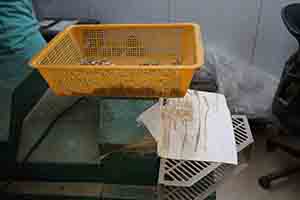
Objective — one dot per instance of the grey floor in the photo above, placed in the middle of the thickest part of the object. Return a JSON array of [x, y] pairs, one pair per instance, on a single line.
[[79, 129], [244, 186]]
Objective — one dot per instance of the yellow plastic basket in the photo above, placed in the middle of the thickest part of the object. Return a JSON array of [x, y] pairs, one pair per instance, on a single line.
[[148, 60]]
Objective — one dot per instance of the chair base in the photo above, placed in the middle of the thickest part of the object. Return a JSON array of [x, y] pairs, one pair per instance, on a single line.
[[265, 181]]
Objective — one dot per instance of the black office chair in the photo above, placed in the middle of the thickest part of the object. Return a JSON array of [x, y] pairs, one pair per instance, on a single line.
[[286, 103]]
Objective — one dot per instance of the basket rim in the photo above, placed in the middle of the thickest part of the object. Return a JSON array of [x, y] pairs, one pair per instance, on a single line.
[[78, 66], [35, 61]]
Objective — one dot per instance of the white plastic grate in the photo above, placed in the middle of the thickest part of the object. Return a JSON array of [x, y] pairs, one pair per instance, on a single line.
[[185, 173], [202, 189], [242, 131]]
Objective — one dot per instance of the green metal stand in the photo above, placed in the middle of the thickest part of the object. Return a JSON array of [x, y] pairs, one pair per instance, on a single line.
[[117, 117], [23, 99]]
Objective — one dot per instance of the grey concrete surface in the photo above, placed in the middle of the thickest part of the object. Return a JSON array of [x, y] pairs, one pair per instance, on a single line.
[[245, 187]]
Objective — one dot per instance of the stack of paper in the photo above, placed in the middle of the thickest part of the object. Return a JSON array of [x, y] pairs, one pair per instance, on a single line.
[[196, 127]]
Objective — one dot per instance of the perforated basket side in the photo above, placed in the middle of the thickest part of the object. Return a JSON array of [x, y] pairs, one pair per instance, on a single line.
[[63, 51], [135, 46], [147, 60], [125, 44]]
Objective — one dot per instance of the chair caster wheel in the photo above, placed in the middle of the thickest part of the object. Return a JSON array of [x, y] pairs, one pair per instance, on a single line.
[[264, 182]]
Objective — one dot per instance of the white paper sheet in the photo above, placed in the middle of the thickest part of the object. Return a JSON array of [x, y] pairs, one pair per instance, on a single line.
[[196, 127]]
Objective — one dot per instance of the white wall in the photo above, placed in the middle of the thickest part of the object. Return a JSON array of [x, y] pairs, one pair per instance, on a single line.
[[274, 43], [108, 11], [249, 29], [230, 24]]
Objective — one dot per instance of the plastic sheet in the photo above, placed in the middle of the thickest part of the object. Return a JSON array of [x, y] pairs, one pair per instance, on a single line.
[[248, 89]]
